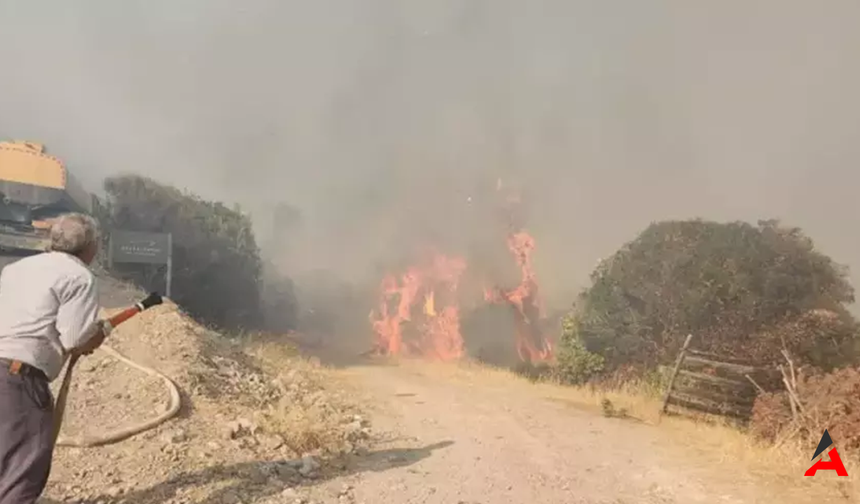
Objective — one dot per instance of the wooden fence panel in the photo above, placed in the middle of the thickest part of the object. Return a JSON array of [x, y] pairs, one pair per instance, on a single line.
[[707, 383]]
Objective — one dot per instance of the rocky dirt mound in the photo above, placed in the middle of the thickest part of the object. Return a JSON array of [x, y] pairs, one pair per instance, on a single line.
[[256, 425]]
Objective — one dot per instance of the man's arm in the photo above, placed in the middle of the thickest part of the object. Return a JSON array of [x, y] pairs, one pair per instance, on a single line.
[[77, 316]]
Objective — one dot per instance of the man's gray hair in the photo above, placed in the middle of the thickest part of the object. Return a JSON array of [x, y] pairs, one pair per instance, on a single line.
[[73, 233]]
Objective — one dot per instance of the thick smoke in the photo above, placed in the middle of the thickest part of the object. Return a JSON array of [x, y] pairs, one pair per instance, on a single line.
[[379, 119]]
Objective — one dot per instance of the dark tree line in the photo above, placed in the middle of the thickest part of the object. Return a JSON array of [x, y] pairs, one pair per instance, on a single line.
[[217, 269]]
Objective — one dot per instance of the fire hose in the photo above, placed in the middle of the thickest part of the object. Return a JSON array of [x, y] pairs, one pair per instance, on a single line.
[[121, 434]]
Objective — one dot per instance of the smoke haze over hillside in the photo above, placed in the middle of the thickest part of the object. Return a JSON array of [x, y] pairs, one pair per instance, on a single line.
[[378, 119]]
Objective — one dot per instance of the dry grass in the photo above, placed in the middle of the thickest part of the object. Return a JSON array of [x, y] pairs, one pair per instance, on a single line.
[[720, 441], [311, 411], [783, 466]]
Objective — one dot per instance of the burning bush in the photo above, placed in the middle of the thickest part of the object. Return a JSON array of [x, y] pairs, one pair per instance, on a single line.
[[216, 262], [416, 295], [730, 284], [419, 309], [827, 401], [531, 343]]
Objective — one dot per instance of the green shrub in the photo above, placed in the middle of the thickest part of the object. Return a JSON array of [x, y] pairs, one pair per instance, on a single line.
[[576, 365]]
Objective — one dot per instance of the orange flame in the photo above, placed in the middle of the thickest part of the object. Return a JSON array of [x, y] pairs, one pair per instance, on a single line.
[[428, 294], [430, 304], [532, 345], [439, 331]]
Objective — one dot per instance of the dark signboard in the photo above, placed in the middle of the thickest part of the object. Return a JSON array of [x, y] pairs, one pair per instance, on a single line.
[[135, 247]]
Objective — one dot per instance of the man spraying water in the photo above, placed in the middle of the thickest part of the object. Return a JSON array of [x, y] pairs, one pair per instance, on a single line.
[[48, 312]]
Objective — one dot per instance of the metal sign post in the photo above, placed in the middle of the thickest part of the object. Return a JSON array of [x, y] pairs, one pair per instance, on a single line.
[[143, 248], [169, 273]]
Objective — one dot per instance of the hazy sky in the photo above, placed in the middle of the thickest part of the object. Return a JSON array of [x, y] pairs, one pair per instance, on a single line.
[[614, 113]]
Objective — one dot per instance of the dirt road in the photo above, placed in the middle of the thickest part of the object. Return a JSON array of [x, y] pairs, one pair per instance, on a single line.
[[467, 437]]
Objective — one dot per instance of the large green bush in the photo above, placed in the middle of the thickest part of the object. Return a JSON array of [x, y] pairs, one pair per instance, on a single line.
[[731, 285], [216, 261]]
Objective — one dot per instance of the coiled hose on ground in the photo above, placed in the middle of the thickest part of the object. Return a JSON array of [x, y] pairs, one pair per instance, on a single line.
[[122, 434]]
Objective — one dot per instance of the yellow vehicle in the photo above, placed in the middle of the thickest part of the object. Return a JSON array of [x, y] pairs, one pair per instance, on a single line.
[[34, 188]]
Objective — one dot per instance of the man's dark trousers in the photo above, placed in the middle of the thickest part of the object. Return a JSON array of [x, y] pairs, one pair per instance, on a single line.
[[26, 444]]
